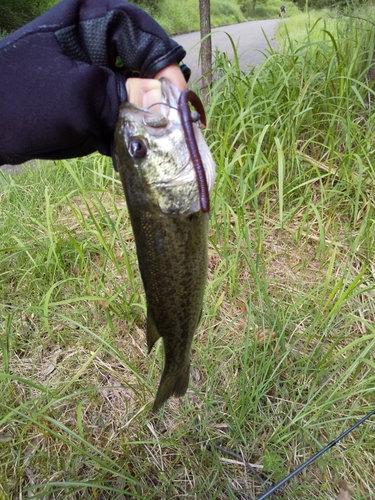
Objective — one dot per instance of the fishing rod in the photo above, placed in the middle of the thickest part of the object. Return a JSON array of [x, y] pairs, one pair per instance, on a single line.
[[313, 458]]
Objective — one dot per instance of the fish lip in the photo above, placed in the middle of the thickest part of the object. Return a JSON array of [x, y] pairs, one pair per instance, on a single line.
[[159, 122], [156, 120]]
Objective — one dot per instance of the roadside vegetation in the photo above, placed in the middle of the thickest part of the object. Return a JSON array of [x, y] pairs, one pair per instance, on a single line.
[[184, 17], [283, 361], [175, 17]]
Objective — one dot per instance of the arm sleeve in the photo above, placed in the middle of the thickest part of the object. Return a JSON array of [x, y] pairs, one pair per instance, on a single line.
[[62, 76]]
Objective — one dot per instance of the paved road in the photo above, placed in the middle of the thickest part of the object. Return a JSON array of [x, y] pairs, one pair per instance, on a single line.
[[249, 38], [11, 169]]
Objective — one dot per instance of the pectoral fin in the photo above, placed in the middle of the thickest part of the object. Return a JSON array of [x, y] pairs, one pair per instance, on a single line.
[[152, 332]]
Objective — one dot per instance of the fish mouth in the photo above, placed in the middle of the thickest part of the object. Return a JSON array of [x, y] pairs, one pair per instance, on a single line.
[[155, 120]]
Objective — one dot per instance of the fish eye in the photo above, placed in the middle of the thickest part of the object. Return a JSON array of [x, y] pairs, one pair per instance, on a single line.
[[137, 148]]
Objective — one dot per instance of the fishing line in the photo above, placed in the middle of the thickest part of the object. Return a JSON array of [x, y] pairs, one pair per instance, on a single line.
[[195, 116], [313, 458], [162, 104]]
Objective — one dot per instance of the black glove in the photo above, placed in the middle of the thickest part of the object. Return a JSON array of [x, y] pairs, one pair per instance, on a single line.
[[62, 77]]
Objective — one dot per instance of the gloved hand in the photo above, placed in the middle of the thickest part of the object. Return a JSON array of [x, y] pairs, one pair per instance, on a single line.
[[62, 77]]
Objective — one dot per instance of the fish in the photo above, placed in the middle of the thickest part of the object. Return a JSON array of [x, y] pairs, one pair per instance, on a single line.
[[164, 196]]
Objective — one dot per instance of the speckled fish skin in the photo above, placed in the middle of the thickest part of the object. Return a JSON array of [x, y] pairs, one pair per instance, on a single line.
[[170, 232]]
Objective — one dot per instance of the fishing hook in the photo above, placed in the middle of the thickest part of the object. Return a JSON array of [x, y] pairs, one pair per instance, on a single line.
[[189, 97]]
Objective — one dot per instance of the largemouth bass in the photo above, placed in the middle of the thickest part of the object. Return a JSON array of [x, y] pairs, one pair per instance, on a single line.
[[170, 229]]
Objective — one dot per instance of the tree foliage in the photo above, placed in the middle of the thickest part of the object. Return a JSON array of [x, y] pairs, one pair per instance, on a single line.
[[150, 6], [16, 13]]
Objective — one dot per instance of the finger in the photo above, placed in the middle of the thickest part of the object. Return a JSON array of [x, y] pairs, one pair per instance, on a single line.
[[152, 96], [142, 91], [174, 74]]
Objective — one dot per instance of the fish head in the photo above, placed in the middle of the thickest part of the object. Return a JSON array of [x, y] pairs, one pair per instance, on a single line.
[[153, 158]]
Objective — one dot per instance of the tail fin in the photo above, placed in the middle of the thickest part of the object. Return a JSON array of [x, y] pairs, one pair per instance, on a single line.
[[173, 382]]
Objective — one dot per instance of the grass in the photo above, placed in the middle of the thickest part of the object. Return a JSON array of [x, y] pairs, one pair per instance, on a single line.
[[283, 361], [183, 18]]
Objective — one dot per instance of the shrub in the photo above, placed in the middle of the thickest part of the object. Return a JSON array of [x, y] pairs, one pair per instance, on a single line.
[[16, 13], [225, 12], [178, 17]]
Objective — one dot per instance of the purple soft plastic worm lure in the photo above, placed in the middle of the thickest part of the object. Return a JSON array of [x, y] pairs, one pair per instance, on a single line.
[[186, 97]]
